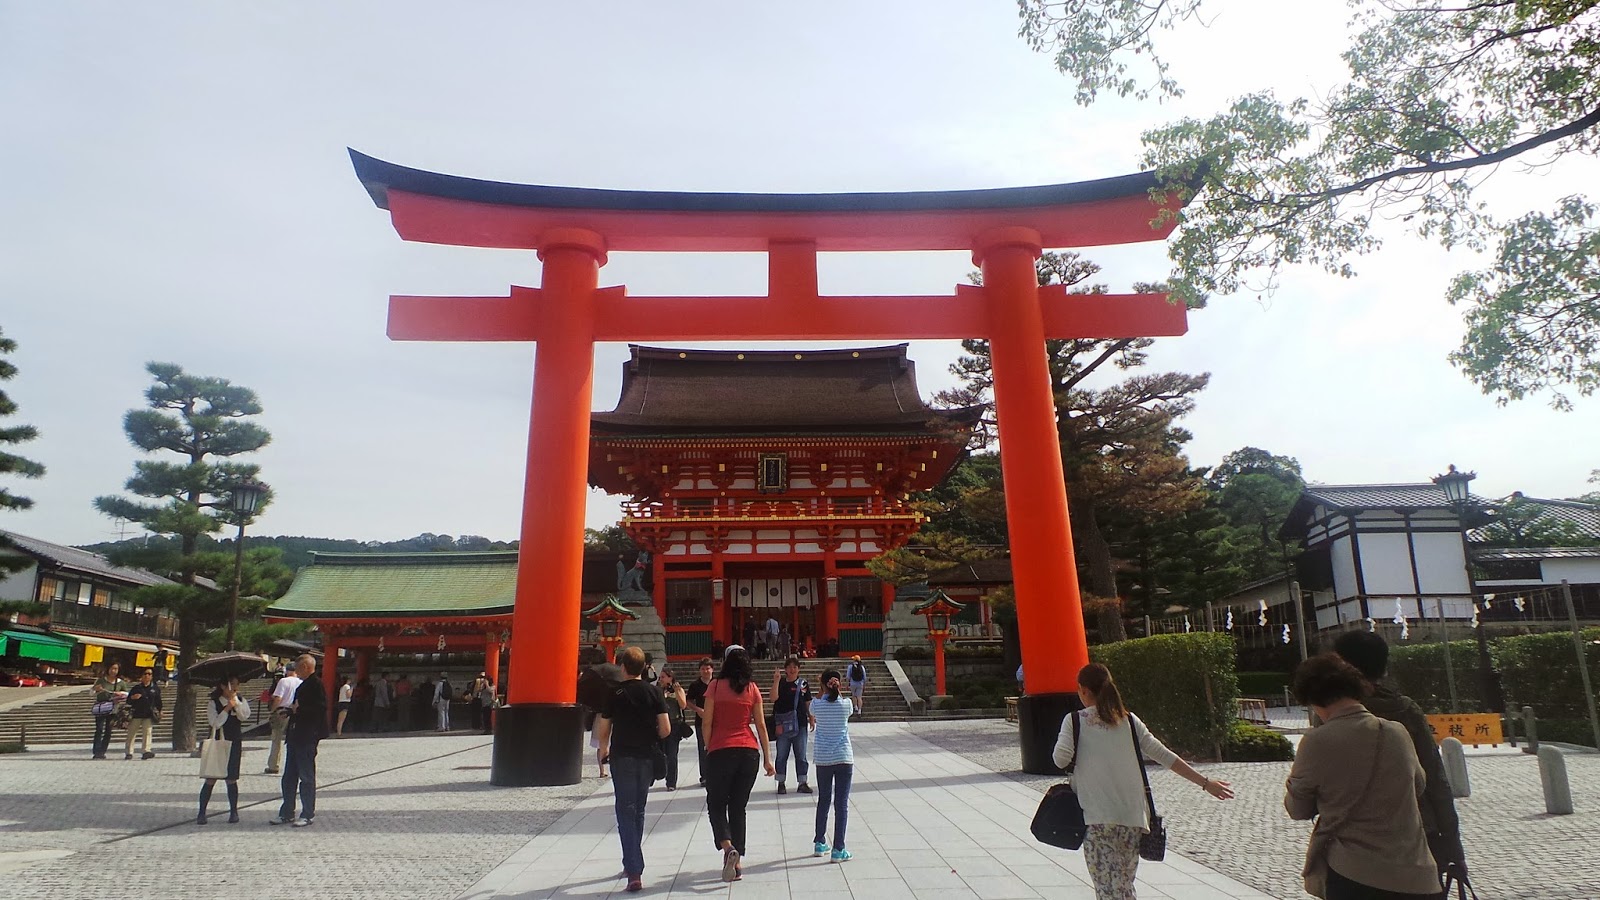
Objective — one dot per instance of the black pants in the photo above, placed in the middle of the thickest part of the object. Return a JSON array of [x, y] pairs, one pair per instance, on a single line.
[[730, 776], [488, 720], [700, 744], [299, 770], [102, 733], [1342, 888], [669, 746], [477, 715]]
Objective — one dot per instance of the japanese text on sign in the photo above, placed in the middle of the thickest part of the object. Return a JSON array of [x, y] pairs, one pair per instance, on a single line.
[[1468, 728]]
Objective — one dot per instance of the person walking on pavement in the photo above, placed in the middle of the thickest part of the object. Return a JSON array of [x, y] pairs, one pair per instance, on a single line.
[[382, 703], [144, 707], [677, 701], [441, 701], [696, 695], [1105, 744], [109, 690], [346, 692], [486, 699], [733, 707], [282, 699], [856, 674], [474, 706], [225, 711], [308, 725], [835, 759], [791, 695], [403, 702], [629, 729], [1358, 776], [772, 631], [1369, 653]]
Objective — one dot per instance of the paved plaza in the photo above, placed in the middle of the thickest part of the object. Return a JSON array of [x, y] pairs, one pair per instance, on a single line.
[[938, 811]]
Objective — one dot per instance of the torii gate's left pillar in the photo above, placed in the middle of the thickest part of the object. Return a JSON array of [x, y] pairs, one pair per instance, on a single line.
[[538, 738]]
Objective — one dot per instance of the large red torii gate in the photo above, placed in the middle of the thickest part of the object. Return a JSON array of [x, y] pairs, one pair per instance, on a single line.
[[538, 738]]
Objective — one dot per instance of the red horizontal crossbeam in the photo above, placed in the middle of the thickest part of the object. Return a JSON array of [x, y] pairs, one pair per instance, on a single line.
[[622, 318]]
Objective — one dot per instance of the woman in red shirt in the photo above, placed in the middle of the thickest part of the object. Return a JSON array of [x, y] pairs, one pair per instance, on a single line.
[[733, 704]]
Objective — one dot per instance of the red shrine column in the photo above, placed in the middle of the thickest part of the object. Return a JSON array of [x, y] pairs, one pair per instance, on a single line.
[[539, 737], [1049, 611], [720, 624], [363, 665], [828, 626], [658, 585], [330, 676], [491, 658]]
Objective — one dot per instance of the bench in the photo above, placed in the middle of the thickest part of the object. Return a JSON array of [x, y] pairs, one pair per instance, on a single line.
[[1011, 709], [1253, 710]]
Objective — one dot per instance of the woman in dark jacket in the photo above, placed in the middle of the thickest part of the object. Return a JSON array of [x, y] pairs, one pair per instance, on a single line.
[[224, 713]]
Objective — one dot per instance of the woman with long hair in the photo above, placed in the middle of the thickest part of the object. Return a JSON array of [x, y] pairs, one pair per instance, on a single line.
[[733, 708], [1110, 781], [1359, 777], [109, 689], [677, 701], [834, 760], [225, 711]]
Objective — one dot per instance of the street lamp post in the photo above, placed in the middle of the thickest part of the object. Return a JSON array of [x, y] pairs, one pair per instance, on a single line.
[[939, 609], [244, 498], [1455, 483]]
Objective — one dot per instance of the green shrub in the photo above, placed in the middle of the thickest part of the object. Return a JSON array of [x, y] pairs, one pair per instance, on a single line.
[[1418, 671], [12, 748], [914, 652], [1541, 671], [1252, 743], [1262, 684], [1564, 731], [1182, 685]]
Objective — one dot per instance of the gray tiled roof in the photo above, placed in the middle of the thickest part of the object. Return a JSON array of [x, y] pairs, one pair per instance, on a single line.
[[1535, 553], [1582, 517], [1377, 496], [81, 561]]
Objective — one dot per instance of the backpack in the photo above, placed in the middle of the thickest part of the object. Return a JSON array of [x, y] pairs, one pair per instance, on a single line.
[[858, 672]]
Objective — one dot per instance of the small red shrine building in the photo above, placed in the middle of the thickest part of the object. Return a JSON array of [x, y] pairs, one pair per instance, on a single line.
[[762, 481]]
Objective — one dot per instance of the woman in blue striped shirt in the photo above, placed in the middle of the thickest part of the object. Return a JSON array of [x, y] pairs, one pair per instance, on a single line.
[[834, 761]]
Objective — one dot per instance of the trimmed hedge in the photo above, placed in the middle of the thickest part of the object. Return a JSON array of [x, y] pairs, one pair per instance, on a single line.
[[1263, 684], [1252, 743], [1541, 671], [1417, 669], [951, 651], [1182, 685]]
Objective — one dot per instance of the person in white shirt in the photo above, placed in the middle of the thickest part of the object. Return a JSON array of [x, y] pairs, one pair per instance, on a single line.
[[1110, 783], [224, 714], [346, 693], [282, 697]]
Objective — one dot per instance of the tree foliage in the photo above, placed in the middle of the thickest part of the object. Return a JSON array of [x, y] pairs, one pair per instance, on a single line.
[[13, 465], [964, 521], [1520, 522], [200, 419], [1121, 449], [1438, 97]]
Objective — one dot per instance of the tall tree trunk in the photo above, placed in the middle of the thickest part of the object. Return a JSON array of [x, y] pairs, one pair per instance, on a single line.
[[182, 711], [1100, 578]]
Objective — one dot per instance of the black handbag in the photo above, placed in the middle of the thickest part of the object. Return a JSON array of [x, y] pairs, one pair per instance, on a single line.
[[1059, 819], [1153, 843], [658, 762], [1455, 879]]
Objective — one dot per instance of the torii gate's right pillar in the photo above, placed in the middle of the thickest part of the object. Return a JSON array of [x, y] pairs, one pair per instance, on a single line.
[[1043, 569]]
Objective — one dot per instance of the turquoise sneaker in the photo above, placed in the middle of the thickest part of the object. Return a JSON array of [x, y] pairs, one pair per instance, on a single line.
[[819, 848], [841, 856]]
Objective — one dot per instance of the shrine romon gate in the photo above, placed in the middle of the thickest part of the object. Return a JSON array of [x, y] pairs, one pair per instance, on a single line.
[[539, 737]]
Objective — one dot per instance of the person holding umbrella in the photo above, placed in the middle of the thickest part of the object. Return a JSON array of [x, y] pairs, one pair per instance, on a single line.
[[224, 713]]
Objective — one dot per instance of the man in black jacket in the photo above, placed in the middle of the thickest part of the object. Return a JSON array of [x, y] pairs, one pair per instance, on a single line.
[[1369, 653], [144, 710], [308, 725]]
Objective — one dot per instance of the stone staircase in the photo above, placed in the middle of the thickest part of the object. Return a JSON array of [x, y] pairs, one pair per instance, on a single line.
[[882, 700], [65, 719]]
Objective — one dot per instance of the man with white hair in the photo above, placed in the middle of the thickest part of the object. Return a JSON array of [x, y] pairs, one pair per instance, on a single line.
[[308, 725]]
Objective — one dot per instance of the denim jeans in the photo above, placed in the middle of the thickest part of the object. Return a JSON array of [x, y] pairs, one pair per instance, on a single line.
[[833, 785], [299, 770], [630, 781], [102, 734], [730, 775], [795, 738]]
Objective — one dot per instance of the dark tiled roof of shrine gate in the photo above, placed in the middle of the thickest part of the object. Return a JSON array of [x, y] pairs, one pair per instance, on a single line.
[[387, 585], [869, 390]]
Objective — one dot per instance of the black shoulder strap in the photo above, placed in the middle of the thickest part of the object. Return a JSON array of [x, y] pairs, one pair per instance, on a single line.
[[1138, 751], [1073, 762]]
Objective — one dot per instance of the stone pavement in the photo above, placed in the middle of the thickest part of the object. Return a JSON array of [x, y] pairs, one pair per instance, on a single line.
[[924, 823], [1514, 850], [416, 818]]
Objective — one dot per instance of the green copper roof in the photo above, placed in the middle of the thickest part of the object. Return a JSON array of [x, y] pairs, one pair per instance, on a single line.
[[351, 585]]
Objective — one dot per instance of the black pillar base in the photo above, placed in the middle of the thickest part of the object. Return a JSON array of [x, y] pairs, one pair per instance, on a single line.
[[537, 744], [1039, 718]]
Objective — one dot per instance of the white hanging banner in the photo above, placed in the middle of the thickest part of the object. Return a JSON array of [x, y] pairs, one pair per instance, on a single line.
[[1229, 625], [1262, 619], [1400, 619], [1286, 634]]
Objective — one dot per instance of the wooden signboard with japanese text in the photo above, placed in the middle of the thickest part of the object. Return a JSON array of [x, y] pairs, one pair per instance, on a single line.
[[1472, 729]]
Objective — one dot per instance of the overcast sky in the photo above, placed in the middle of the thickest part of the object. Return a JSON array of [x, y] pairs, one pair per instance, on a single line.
[[176, 188]]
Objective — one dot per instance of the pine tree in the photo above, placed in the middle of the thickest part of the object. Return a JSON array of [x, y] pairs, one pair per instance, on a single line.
[[200, 419], [14, 465]]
